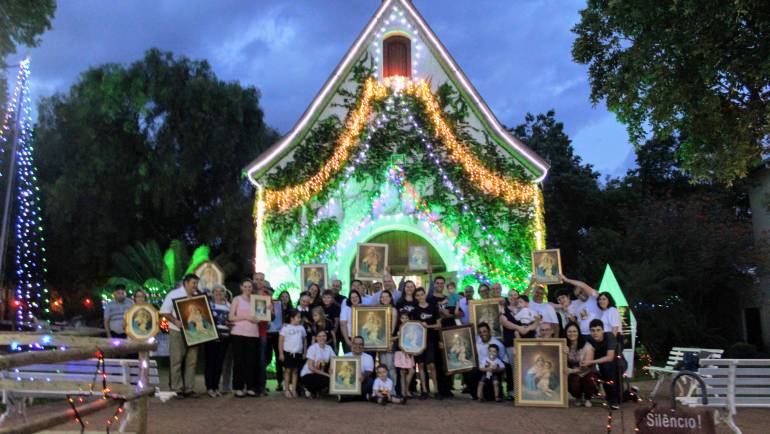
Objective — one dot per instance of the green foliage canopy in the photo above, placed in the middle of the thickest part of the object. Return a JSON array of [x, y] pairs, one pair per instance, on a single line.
[[152, 150], [697, 69]]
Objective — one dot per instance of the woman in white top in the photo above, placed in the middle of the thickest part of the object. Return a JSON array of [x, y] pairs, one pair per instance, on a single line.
[[346, 318], [610, 315], [314, 374]]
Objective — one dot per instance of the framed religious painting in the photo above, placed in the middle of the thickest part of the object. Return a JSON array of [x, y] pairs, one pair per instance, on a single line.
[[459, 349], [209, 274], [373, 323], [487, 311], [412, 338], [546, 266], [314, 273], [197, 321], [142, 321], [418, 258], [261, 306], [540, 376], [343, 376], [371, 261]]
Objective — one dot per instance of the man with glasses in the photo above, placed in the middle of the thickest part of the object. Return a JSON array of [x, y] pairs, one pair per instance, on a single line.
[[367, 367]]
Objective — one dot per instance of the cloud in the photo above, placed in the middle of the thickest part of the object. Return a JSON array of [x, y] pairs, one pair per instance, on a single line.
[[517, 54]]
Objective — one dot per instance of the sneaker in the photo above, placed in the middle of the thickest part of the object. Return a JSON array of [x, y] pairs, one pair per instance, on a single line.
[[218, 393], [179, 395], [587, 403], [577, 403], [239, 394], [211, 393], [251, 393], [614, 407]]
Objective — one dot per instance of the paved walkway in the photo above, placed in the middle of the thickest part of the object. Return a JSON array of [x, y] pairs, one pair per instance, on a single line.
[[275, 414]]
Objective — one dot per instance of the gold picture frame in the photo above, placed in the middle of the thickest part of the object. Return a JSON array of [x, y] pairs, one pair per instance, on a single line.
[[541, 378], [546, 266], [314, 273], [198, 325], [412, 337], [488, 311], [261, 307], [344, 378], [373, 324], [209, 274], [459, 349], [371, 261], [142, 321]]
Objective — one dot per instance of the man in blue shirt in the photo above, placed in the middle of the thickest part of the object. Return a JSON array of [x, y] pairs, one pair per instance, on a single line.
[[115, 312]]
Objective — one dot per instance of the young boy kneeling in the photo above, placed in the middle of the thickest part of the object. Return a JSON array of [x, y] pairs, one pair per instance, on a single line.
[[491, 373], [383, 390]]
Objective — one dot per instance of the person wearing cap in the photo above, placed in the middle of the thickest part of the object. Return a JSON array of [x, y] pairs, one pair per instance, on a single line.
[[115, 313]]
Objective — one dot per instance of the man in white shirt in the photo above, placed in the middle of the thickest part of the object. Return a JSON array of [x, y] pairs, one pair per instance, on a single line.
[[585, 309], [541, 307], [179, 353], [483, 340], [367, 367]]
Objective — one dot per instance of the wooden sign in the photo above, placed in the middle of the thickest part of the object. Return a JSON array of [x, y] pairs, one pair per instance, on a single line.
[[679, 421]]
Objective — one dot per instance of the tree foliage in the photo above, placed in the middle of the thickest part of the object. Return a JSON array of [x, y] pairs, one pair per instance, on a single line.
[[695, 69], [682, 250], [152, 150], [21, 23]]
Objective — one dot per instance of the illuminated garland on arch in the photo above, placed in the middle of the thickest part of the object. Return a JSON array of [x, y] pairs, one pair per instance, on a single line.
[[489, 182]]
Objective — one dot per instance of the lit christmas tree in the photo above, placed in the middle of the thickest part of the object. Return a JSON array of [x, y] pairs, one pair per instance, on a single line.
[[32, 297]]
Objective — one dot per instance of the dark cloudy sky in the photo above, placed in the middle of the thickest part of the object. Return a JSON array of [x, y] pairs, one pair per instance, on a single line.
[[516, 52]]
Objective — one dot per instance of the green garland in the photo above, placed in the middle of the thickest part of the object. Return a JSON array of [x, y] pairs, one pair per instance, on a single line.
[[510, 225]]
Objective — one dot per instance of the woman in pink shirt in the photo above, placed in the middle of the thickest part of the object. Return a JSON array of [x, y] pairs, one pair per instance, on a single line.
[[244, 340]]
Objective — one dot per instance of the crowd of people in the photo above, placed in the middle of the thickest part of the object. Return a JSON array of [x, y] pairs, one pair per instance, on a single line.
[[303, 336]]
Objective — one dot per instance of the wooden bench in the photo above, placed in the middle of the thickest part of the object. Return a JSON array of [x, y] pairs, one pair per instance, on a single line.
[[24, 383], [674, 357], [732, 383]]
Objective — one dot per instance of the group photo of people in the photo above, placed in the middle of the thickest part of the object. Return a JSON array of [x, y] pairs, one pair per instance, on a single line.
[[392, 342]]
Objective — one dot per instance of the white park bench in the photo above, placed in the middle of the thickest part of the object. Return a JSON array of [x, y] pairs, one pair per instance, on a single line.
[[25, 383], [732, 383], [675, 356]]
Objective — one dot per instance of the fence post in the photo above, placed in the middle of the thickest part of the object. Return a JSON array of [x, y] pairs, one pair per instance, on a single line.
[[144, 376]]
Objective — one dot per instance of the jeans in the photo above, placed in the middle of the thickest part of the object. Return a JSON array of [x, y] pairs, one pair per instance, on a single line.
[[608, 373], [181, 354]]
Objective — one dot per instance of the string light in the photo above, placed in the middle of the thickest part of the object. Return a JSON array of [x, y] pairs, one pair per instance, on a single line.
[[31, 293], [485, 179]]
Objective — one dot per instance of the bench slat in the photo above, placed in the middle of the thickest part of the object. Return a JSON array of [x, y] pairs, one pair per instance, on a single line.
[[42, 376], [58, 387], [739, 372], [77, 370], [738, 362], [740, 401], [740, 390]]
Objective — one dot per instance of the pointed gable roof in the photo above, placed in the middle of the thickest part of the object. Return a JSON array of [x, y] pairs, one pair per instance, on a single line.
[[272, 156], [610, 284]]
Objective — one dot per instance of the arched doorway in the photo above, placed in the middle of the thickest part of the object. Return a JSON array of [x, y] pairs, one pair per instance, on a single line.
[[398, 242]]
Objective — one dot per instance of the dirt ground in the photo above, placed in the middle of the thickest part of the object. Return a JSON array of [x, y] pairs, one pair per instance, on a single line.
[[276, 414]]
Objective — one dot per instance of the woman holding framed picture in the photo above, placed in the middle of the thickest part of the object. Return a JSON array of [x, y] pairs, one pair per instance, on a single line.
[[314, 376], [244, 338]]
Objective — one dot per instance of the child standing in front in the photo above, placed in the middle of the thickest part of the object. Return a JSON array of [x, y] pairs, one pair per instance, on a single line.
[[383, 390], [292, 346], [404, 361], [491, 372]]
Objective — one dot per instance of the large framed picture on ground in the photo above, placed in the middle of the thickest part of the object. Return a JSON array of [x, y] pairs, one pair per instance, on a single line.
[[343, 376], [412, 337], [314, 273], [197, 320], [142, 321], [373, 323], [260, 305], [546, 266], [541, 379], [459, 349], [487, 311], [371, 261]]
